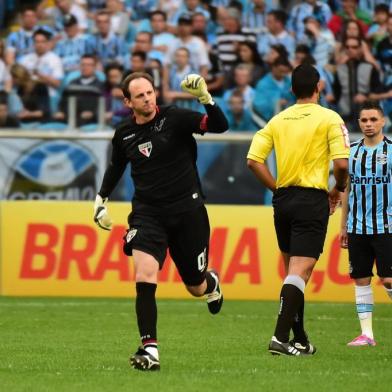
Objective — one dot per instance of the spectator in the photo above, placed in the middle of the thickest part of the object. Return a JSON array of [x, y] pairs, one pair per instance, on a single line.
[[161, 38], [354, 81], [138, 62], [378, 30], [143, 43], [199, 60], [87, 88], [6, 120], [62, 8], [108, 46], [5, 77], [173, 92], [315, 8], [30, 98], [349, 11], [188, 8], [242, 79], [254, 16], [169, 7], [73, 46], [227, 40], [115, 109], [20, 43], [384, 53], [248, 54], [320, 40], [139, 10], [276, 51], [44, 65], [238, 116], [272, 92], [276, 34], [119, 19], [200, 28]]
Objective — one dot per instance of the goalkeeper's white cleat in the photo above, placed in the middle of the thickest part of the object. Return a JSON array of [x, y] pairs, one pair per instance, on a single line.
[[142, 360], [215, 298]]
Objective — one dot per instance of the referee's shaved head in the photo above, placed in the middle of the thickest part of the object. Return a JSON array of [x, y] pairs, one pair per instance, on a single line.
[[304, 81]]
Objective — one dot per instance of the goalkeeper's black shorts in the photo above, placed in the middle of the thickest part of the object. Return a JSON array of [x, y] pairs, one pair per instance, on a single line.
[[186, 235], [301, 219]]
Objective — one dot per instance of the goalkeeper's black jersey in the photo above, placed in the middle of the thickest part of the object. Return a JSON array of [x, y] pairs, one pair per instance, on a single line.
[[163, 156]]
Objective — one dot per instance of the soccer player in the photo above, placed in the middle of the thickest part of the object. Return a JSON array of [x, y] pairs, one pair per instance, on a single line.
[[367, 215], [167, 209], [305, 138]]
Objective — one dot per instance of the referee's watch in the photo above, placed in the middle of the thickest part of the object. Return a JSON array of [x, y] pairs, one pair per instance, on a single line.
[[341, 188]]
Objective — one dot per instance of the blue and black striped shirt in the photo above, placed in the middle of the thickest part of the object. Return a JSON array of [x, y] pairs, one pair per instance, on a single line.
[[370, 199]]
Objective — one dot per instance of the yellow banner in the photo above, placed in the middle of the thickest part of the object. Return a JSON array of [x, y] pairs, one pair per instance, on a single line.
[[55, 249]]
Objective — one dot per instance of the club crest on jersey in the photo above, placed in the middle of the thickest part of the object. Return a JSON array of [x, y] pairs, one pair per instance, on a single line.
[[145, 149], [130, 235], [381, 158]]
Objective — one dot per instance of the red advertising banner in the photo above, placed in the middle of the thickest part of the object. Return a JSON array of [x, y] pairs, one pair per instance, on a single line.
[[55, 249]]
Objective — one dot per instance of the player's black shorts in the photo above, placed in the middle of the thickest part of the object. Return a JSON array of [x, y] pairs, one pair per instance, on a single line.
[[186, 235], [364, 249], [301, 220]]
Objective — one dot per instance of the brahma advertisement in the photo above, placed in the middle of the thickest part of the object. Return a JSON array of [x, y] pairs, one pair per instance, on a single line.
[[53, 248]]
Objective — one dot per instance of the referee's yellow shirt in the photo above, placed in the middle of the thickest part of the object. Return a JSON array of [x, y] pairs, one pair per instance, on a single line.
[[305, 138]]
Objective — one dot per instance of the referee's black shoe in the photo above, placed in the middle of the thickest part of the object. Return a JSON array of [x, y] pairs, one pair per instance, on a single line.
[[279, 348], [215, 298], [142, 360], [306, 349]]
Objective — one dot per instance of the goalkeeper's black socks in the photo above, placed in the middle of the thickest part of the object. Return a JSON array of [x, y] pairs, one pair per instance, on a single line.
[[300, 335], [146, 313], [291, 299]]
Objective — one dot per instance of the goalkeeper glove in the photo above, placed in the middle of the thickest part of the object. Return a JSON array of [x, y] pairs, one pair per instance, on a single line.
[[101, 217], [196, 85]]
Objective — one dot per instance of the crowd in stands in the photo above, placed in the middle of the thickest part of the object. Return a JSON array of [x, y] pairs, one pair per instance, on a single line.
[[53, 50]]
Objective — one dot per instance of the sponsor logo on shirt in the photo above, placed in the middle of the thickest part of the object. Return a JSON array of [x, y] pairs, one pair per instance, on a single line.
[[371, 180], [145, 149], [129, 136]]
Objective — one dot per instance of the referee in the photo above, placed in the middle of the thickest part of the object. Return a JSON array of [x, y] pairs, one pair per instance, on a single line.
[[367, 215], [168, 209], [305, 138]]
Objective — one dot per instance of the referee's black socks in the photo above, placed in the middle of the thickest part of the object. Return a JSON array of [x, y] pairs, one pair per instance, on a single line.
[[291, 301], [211, 283], [146, 312]]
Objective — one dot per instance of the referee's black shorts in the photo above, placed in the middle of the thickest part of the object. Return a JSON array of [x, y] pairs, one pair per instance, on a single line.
[[301, 220], [185, 234]]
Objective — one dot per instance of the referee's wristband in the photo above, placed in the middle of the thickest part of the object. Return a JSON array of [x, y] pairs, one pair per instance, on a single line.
[[340, 188]]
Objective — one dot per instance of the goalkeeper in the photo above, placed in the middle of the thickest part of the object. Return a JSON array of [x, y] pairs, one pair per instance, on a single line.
[[168, 209]]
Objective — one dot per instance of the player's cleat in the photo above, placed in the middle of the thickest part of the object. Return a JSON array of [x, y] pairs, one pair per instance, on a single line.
[[142, 360], [215, 298], [362, 340], [278, 348], [307, 349]]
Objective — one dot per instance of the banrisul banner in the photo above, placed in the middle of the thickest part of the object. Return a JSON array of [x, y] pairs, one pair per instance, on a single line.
[[53, 248], [33, 169]]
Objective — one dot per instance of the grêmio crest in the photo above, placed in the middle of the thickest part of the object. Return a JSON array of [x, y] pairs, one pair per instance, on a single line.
[[145, 149]]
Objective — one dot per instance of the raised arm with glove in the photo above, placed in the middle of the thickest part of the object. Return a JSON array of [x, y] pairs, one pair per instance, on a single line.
[[216, 121], [196, 85]]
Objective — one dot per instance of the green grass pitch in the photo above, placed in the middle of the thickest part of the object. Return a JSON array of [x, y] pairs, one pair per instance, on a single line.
[[74, 344]]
